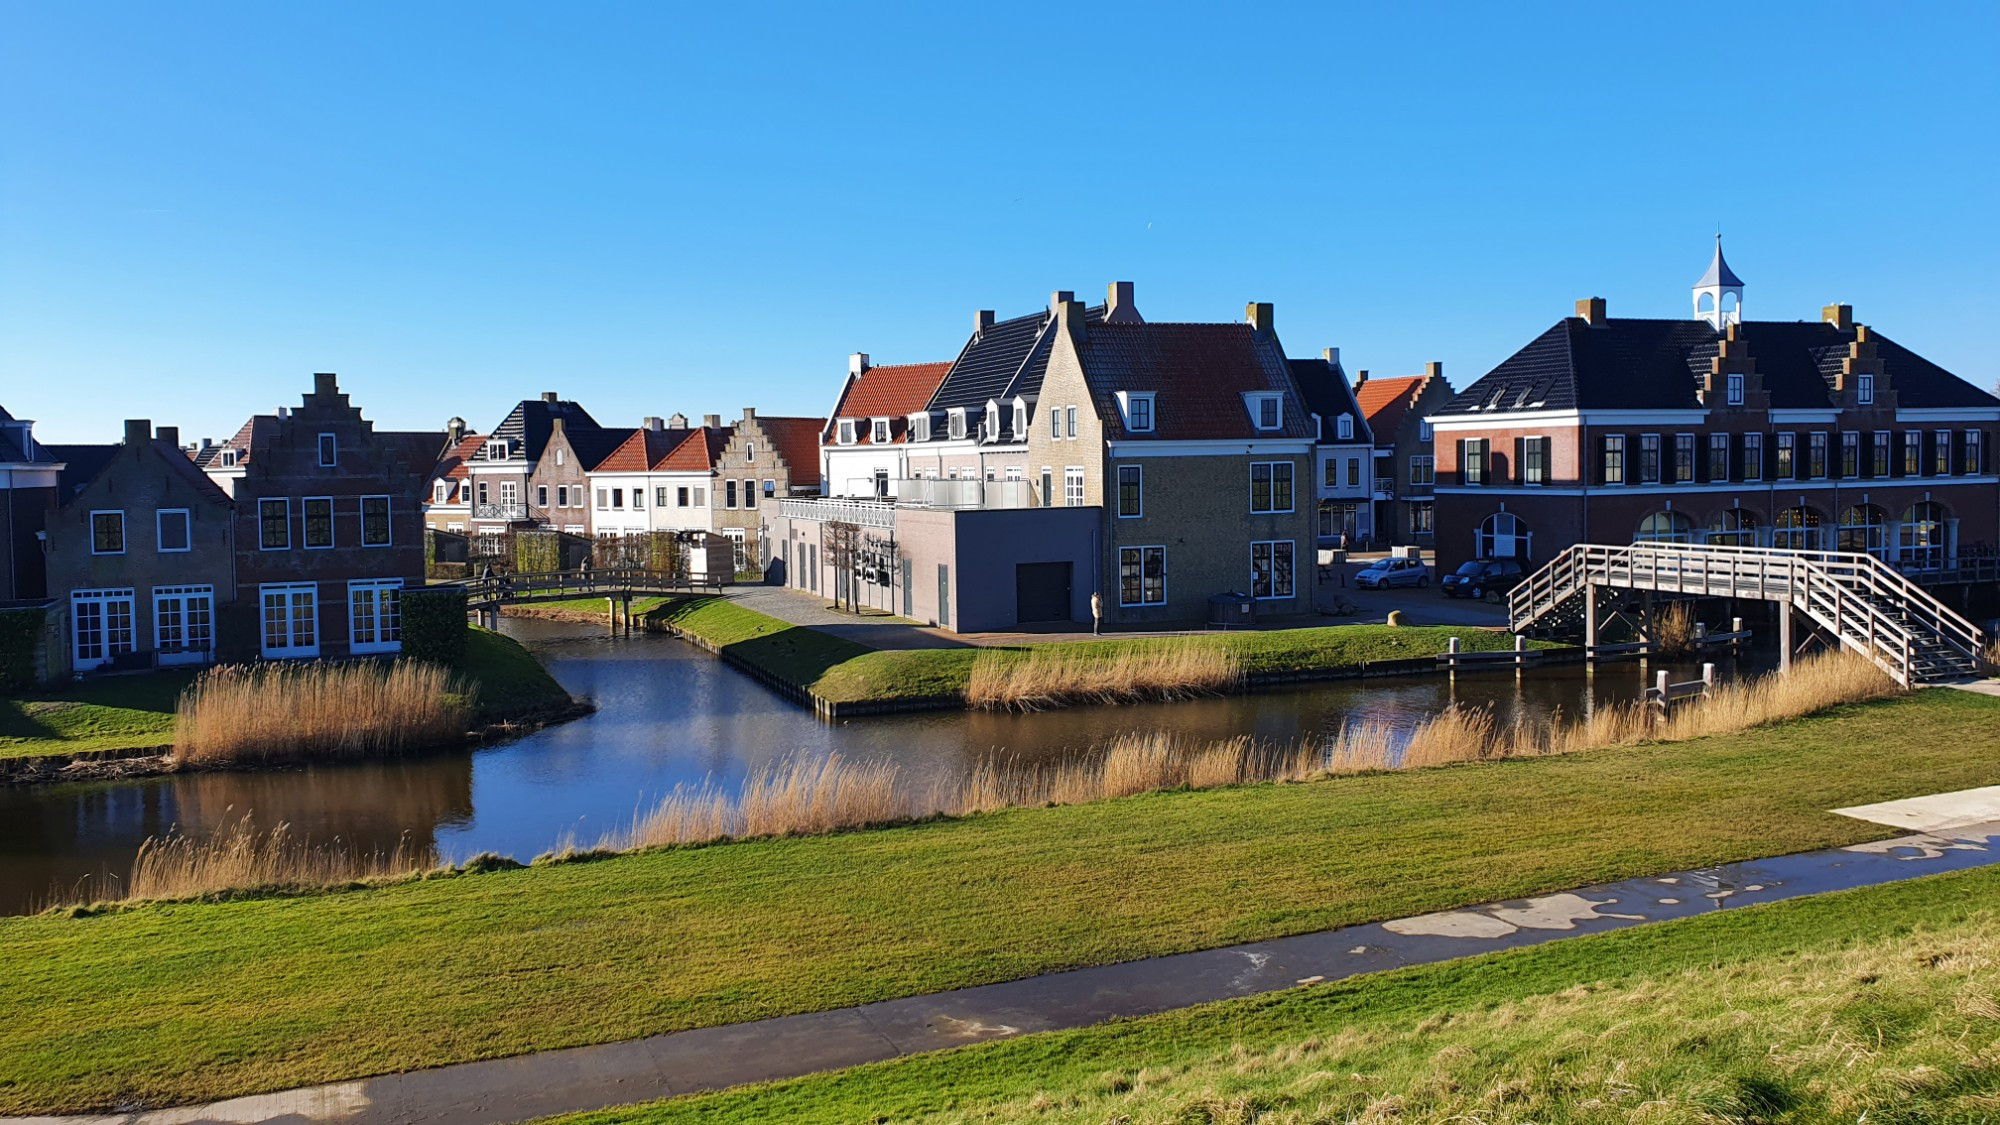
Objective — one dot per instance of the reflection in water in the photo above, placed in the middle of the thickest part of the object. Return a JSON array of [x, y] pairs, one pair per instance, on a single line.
[[668, 714]]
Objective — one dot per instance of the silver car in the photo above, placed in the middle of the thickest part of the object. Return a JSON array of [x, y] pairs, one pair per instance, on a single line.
[[1383, 573]]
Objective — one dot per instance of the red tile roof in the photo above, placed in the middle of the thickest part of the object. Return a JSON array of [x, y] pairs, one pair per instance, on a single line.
[[797, 440], [893, 391], [452, 465], [698, 451], [1386, 401], [642, 451]]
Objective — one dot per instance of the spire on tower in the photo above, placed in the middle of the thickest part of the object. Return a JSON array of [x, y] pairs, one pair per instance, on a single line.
[[1718, 296]]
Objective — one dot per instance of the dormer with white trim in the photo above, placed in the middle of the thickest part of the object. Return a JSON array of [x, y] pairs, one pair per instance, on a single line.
[[1136, 410], [1267, 410]]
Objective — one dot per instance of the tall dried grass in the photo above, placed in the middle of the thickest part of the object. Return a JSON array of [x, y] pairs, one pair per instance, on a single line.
[[1673, 629], [285, 712], [239, 856], [1055, 675]]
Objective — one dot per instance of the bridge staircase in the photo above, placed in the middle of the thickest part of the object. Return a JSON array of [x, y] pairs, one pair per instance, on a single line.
[[1853, 597]]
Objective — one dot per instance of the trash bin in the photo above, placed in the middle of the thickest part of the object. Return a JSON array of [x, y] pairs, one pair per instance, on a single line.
[[1231, 609]]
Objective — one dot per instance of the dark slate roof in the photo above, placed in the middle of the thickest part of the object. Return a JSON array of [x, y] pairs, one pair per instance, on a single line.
[[1631, 364], [532, 420], [177, 463], [1326, 392], [1719, 272], [81, 464], [594, 446], [1005, 360], [414, 451], [1199, 374]]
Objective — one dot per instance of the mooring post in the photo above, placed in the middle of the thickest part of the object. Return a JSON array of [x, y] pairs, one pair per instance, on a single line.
[[1707, 678], [1784, 636], [611, 612], [1451, 654], [1520, 651], [1590, 623], [1665, 683]]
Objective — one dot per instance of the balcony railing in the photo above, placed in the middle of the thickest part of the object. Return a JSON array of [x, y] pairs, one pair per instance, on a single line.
[[962, 494], [499, 511], [864, 513], [1385, 487]]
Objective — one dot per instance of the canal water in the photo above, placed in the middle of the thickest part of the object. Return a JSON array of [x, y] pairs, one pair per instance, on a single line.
[[669, 714]]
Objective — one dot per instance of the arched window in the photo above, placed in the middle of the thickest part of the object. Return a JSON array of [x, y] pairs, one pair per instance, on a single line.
[[1665, 527], [1861, 529], [1502, 536], [1796, 529], [1705, 304], [1733, 527], [1922, 536]]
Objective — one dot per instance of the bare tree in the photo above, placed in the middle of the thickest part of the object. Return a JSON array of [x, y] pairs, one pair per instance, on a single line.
[[841, 544]]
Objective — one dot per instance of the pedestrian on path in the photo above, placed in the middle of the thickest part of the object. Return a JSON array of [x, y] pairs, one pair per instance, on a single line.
[[1096, 613]]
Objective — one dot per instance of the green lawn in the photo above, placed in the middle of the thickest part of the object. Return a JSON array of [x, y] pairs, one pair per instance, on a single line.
[[844, 671], [1875, 1005], [196, 1000], [137, 711]]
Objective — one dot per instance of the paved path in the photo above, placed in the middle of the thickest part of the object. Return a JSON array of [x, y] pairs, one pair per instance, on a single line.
[[586, 1078]]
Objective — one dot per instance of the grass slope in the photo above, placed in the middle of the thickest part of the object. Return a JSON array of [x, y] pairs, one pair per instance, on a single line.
[[844, 671], [512, 683], [1881, 1005], [188, 1001]]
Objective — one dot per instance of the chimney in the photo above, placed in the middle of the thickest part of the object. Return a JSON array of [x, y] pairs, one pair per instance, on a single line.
[[550, 397], [169, 434], [1360, 376], [857, 362], [651, 423], [749, 413], [1060, 298], [1434, 370], [1069, 313], [1840, 316], [712, 421], [1118, 305], [981, 321], [454, 430], [326, 383], [1261, 317], [1332, 356], [677, 422], [559, 428], [138, 431], [1591, 309]]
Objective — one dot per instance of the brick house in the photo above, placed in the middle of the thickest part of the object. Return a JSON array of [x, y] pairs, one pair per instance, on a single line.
[[1399, 411], [30, 489], [142, 557], [500, 473], [763, 460], [329, 528], [1803, 434], [1343, 478], [558, 489]]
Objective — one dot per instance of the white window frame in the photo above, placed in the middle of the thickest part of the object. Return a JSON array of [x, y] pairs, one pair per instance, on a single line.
[[124, 540], [332, 534], [955, 424], [1020, 420], [329, 451], [1257, 402], [878, 434], [228, 458], [1073, 486], [1424, 431], [749, 451], [1119, 503], [1734, 384], [1343, 427], [495, 449], [603, 499], [1132, 404], [203, 631], [843, 432], [541, 496], [1292, 488], [160, 530], [920, 427], [375, 589], [107, 649], [264, 502], [388, 521], [1292, 587], [1141, 550], [1864, 388], [289, 595], [1055, 423], [440, 492], [1069, 420], [771, 487]]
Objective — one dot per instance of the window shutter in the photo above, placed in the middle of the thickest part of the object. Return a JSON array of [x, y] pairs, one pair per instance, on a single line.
[[1463, 445], [1520, 462]]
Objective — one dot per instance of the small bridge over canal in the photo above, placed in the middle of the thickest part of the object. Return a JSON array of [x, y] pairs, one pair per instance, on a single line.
[[486, 594], [1854, 597]]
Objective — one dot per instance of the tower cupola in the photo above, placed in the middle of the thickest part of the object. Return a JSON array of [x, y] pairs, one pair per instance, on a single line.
[[1718, 296]]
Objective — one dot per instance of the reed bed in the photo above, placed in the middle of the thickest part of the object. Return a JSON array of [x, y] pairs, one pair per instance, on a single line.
[[287, 712], [240, 857], [1054, 676], [1673, 629]]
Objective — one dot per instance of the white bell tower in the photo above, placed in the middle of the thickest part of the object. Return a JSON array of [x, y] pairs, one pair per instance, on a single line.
[[1718, 296]]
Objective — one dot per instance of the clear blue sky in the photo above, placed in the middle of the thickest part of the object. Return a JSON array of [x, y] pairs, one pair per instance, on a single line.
[[698, 208]]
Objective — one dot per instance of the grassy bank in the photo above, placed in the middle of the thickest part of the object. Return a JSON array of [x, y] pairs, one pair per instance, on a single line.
[[133, 712], [198, 1000], [843, 671], [1875, 1005]]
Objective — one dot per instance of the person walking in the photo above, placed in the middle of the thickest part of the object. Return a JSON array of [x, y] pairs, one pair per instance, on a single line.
[[1096, 613]]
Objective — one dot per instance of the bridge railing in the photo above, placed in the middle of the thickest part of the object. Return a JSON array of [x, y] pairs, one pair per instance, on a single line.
[[594, 583]]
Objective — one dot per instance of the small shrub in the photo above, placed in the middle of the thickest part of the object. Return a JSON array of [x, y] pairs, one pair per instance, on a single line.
[[434, 627], [20, 638]]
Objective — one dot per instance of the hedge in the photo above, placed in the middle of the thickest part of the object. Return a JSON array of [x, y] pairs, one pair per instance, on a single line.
[[20, 637], [434, 625]]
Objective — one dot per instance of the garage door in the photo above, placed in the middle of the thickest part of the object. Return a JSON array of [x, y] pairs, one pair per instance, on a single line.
[[1041, 592]]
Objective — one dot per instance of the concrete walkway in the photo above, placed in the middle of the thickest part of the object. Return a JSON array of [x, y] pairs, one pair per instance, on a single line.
[[586, 1078]]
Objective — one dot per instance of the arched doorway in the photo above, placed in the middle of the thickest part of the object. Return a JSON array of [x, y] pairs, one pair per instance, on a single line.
[[1862, 527], [1796, 529], [1922, 536], [1665, 527], [1502, 536], [1733, 527]]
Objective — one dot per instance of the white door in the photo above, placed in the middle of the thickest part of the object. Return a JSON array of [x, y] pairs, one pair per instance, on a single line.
[[184, 624], [101, 627], [375, 616], [290, 619]]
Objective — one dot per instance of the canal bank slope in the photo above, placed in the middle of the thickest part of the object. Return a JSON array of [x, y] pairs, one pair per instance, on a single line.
[[123, 726], [182, 1002]]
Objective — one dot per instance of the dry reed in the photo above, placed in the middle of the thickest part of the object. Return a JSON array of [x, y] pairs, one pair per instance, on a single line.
[[281, 712], [1052, 675], [240, 857], [1673, 629]]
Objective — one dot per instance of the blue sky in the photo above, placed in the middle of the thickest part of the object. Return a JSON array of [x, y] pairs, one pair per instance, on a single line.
[[656, 209]]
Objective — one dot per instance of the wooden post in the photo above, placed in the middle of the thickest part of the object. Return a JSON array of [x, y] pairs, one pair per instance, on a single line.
[[1451, 654], [611, 612], [1520, 650], [1784, 636], [1707, 679], [1590, 623]]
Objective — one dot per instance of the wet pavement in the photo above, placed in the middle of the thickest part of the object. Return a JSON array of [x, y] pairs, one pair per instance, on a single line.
[[586, 1078]]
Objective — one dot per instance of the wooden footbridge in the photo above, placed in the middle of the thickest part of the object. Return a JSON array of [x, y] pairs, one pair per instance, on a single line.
[[486, 594], [1853, 597]]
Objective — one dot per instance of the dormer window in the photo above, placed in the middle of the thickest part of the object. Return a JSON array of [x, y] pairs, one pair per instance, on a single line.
[[1735, 387], [1020, 420], [1493, 403], [496, 450], [1343, 427], [956, 426], [920, 427], [846, 431], [1266, 411], [1864, 389], [229, 458], [881, 435], [989, 422], [439, 492], [1138, 409]]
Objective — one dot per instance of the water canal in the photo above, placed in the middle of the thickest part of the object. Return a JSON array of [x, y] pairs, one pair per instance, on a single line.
[[667, 714]]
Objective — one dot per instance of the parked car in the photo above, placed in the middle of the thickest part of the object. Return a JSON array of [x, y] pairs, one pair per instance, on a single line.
[[1383, 573], [1483, 578]]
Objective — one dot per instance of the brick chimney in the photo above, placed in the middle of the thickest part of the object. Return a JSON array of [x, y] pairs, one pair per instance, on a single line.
[[1840, 316], [1069, 313], [326, 383], [138, 431], [1591, 309], [1119, 307], [454, 430], [550, 397], [651, 423], [1360, 377], [1262, 317], [749, 413], [677, 422], [1434, 370], [1332, 357], [169, 434]]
